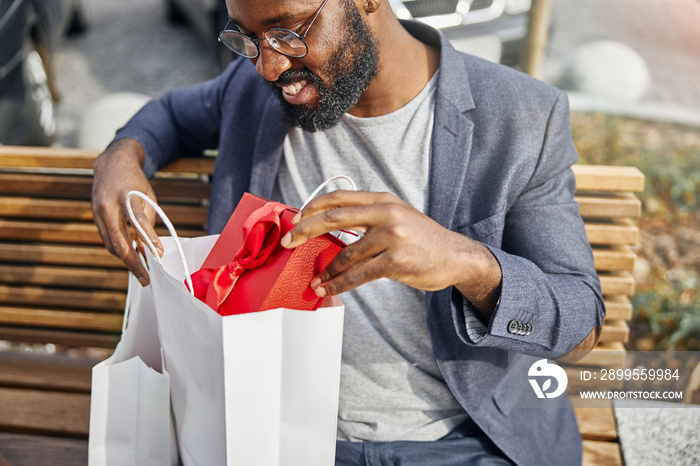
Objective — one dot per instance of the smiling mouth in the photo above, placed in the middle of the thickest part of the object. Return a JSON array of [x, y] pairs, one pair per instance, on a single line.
[[293, 88], [297, 93]]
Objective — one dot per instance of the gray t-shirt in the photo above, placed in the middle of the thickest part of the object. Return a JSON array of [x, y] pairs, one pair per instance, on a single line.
[[390, 387]]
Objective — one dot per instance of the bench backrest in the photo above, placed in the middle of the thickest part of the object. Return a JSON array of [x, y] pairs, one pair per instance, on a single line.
[[608, 207], [59, 285]]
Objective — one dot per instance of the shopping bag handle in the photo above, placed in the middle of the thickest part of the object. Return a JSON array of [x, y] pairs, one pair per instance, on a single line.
[[168, 225], [326, 183], [318, 190]]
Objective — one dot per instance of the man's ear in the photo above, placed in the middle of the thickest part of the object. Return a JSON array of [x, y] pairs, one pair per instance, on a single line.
[[371, 5]]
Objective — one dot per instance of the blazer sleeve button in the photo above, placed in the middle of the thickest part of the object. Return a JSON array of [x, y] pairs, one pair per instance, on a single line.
[[514, 327]]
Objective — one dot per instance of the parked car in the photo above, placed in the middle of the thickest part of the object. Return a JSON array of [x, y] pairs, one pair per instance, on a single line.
[[30, 32], [491, 29]]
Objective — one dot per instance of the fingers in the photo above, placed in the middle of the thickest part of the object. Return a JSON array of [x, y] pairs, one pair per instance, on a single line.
[[360, 273], [145, 217], [348, 257], [339, 210], [113, 228], [114, 232]]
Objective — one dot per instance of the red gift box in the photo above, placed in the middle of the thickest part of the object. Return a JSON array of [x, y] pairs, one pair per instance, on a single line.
[[248, 270]]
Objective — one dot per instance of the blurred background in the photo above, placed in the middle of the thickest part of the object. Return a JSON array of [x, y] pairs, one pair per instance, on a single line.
[[630, 67]]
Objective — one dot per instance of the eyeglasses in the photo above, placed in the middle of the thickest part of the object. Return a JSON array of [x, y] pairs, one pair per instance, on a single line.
[[283, 40]]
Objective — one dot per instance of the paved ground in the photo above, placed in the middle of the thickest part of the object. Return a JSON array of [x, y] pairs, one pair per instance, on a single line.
[[658, 433], [131, 47]]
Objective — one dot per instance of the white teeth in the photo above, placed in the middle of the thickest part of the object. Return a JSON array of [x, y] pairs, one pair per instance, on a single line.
[[294, 88]]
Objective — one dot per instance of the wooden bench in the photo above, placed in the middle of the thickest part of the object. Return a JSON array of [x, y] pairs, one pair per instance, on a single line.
[[59, 286]]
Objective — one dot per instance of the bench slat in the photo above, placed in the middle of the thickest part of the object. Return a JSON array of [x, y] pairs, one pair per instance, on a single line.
[[597, 453], [614, 232], [64, 232], [58, 254], [79, 277], [615, 330], [55, 209], [80, 187], [68, 232], [59, 337], [53, 157], [29, 207], [609, 205], [597, 423], [605, 354], [55, 186], [37, 411], [19, 449], [80, 299], [608, 178], [614, 258], [617, 283], [42, 157], [618, 307], [57, 318], [55, 372]]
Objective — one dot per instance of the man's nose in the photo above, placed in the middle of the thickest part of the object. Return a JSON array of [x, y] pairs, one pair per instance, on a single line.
[[270, 63]]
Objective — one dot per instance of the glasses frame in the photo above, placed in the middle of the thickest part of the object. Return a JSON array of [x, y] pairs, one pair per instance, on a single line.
[[257, 41]]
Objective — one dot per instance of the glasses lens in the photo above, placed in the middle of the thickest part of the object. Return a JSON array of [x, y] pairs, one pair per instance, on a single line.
[[286, 42], [239, 43]]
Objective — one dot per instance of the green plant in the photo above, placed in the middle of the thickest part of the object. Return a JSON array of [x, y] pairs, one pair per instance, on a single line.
[[673, 314], [669, 157]]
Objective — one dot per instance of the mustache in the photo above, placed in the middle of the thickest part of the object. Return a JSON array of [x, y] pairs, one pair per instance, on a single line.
[[292, 76]]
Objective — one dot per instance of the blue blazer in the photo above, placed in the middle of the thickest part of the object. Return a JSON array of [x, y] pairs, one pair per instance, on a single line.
[[500, 174]]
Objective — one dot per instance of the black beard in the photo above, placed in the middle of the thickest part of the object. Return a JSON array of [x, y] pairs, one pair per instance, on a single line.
[[351, 68]]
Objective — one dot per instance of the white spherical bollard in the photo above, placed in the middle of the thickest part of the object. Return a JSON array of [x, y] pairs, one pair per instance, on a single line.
[[607, 69]]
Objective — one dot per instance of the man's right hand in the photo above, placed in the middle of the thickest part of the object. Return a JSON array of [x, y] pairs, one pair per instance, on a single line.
[[116, 172]]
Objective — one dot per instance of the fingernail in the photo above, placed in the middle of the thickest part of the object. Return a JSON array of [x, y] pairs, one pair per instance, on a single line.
[[286, 239], [297, 218], [321, 292], [142, 280], [315, 283]]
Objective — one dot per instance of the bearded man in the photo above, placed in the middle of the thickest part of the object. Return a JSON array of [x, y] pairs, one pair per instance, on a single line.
[[472, 244]]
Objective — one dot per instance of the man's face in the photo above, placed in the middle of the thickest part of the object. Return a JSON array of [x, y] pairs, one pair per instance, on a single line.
[[339, 84], [317, 90]]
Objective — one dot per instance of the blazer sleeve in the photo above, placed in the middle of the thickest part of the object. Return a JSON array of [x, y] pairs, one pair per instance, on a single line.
[[550, 295], [183, 122]]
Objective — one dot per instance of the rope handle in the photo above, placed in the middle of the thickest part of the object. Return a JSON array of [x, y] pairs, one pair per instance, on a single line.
[[318, 190], [168, 225], [326, 183]]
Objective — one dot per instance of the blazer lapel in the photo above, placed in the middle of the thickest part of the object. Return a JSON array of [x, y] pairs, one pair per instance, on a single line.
[[452, 136], [267, 154]]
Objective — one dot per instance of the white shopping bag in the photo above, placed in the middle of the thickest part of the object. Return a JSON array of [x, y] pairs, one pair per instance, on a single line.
[[130, 420], [250, 389]]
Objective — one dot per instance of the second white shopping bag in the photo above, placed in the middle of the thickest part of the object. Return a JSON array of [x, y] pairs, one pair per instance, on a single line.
[[250, 389]]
